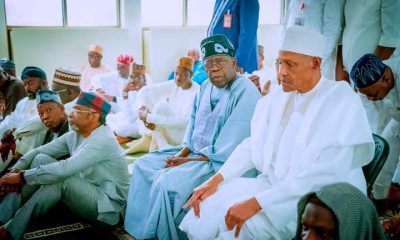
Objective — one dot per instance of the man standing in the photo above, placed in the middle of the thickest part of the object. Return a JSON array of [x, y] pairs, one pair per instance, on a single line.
[[12, 90], [238, 21], [370, 27], [163, 125], [111, 85], [93, 182], [325, 17], [297, 143], [162, 181], [93, 67], [378, 84]]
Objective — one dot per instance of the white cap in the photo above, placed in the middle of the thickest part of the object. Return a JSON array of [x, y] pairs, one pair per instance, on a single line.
[[303, 40]]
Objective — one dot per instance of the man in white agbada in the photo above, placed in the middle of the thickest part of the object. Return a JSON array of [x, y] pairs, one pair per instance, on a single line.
[[125, 122], [93, 67], [113, 85], [25, 119], [164, 124], [298, 143], [370, 27], [378, 84], [325, 17]]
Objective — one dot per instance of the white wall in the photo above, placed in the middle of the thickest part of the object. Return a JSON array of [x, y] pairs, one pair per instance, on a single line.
[[51, 48], [163, 46]]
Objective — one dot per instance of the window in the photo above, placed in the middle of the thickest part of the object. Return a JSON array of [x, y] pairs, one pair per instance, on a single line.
[[157, 13], [34, 13], [199, 12], [270, 12], [92, 13]]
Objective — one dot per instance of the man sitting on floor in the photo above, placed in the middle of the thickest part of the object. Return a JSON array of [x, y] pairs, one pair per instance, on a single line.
[[66, 84], [93, 182], [163, 125], [337, 211], [298, 143], [162, 181]]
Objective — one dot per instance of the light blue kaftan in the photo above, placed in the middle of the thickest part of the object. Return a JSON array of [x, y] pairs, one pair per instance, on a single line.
[[157, 193]]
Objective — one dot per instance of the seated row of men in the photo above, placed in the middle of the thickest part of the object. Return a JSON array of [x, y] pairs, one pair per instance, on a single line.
[[294, 137]]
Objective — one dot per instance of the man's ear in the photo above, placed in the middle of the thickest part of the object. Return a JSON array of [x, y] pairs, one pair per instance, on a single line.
[[316, 62]]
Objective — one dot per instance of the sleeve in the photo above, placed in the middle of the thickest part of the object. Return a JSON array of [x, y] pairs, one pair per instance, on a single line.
[[56, 148], [239, 162], [171, 75], [89, 154], [332, 24], [249, 11], [199, 75], [152, 93], [11, 120], [390, 18], [332, 165], [18, 93]]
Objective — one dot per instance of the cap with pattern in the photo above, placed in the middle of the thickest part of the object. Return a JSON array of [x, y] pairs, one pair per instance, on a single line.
[[67, 77]]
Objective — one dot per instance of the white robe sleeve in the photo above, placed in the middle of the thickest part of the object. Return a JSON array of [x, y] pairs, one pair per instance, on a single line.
[[389, 16], [332, 165], [332, 24], [12, 120], [239, 162]]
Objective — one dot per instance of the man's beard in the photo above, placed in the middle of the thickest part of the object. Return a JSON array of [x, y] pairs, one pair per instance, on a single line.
[[32, 95], [74, 127]]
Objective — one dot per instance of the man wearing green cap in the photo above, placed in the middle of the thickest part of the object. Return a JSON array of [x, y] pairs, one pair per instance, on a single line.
[[25, 118], [297, 143], [163, 180], [93, 182]]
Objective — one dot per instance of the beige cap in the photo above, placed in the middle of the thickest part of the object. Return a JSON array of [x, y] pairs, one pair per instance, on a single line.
[[96, 48], [67, 77], [185, 62]]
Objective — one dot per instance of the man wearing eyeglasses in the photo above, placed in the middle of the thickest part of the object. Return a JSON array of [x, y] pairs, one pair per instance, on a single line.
[[220, 119], [297, 143], [93, 182]]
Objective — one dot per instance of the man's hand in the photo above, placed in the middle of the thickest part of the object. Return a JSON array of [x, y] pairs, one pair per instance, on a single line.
[[265, 88], [256, 80], [393, 198], [342, 74], [7, 144], [176, 161], [143, 111], [202, 192], [12, 178], [239, 213], [130, 87]]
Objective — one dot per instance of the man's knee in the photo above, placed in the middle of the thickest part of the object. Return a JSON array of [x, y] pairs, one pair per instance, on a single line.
[[42, 159]]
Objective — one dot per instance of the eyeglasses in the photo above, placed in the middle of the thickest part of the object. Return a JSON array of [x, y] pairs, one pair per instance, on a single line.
[[209, 64], [77, 111]]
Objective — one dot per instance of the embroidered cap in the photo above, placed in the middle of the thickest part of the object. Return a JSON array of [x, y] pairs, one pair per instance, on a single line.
[[367, 71], [216, 45], [67, 77], [44, 96]]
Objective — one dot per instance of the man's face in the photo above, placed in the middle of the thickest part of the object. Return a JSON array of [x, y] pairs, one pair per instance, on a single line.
[[182, 77], [52, 115], [220, 70], [81, 118], [319, 223], [94, 59], [294, 71], [3, 77], [137, 81], [62, 91], [381, 88], [123, 70], [32, 85]]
